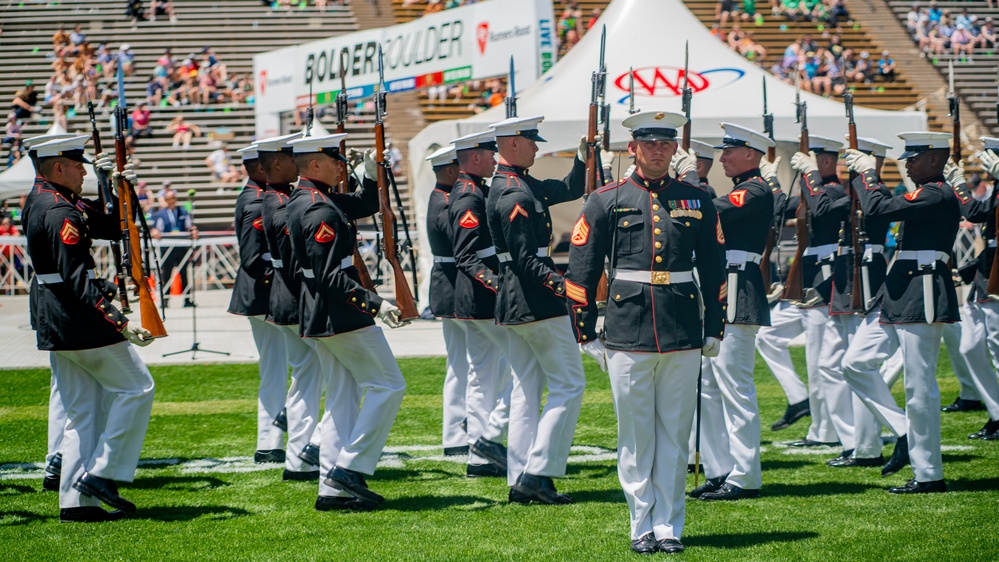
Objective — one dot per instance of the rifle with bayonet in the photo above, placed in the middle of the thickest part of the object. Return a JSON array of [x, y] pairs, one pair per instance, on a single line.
[[688, 95], [794, 289], [954, 102], [128, 210], [403, 295], [774, 232], [341, 122], [511, 93], [992, 288], [594, 167], [859, 296], [107, 202]]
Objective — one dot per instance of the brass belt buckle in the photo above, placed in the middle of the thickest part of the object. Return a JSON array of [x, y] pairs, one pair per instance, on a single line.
[[660, 278]]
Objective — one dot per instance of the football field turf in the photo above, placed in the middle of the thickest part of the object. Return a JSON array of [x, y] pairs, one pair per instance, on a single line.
[[200, 496]]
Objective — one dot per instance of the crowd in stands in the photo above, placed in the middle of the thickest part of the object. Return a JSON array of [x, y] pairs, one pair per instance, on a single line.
[[157, 8], [199, 79], [940, 32], [830, 12], [300, 4]]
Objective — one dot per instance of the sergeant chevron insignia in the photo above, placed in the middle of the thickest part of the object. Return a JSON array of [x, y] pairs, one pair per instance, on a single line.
[[69, 233], [469, 220], [325, 234], [580, 232], [718, 233]]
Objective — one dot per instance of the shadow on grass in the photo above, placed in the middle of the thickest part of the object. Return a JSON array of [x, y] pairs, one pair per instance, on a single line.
[[746, 540], [814, 489], [596, 496], [12, 489], [190, 512], [423, 474], [785, 464], [959, 457], [590, 470], [182, 483], [435, 503], [13, 518], [965, 485]]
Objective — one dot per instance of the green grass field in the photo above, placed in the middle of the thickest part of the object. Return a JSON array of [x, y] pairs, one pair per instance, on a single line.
[[194, 508]]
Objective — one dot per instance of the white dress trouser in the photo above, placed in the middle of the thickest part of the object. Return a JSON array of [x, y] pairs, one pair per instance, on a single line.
[[772, 341], [731, 374], [543, 354], [870, 348], [489, 383], [816, 322], [361, 366], [974, 331], [835, 391], [108, 395], [273, 367], [304, 396], [455, 383], [952, 336], [920, 351], [57, 415], [653, 398]]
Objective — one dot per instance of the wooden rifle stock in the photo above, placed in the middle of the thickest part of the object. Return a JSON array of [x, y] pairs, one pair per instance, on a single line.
[[794, 288], [771, 237], [593, 175], [107, 205], [150, 317], [362, 268], [992, 287], [859, 235], [403, 295]]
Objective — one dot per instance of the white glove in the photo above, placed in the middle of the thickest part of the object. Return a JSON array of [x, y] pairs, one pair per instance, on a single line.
[[104, 163], [606, 158], [128, 172], [137, 335], [769, 169], [804, 163], [684, 162], [354, 157], [711, 347], [857, 161], [370, 166], [583, 149], [954, 173], [597, 351], [391, 315], [776, 290], [990, 162]]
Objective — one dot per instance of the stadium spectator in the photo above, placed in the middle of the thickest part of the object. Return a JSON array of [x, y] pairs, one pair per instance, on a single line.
[[12, 136], [886, 67], [25, 102], [125, 59], [173, 219], [135, 12], [987, 35], [962, 43], [141, 117], [726, 10], [60, 39], [221, 166], [162, 8], [183, 131]]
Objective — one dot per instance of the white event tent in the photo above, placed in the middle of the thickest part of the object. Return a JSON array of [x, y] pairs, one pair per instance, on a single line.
[[18, 179], [649, 36]]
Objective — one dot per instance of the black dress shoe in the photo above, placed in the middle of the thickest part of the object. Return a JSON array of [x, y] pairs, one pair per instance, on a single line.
[[88, 514], [299, 475], [353, 483], [645, 544], [991, 437], [491, 451], [104, 490], [456, 451], [990, 427], [857, 461], [792, 413], [517, 497], [272, 455], [729, 492], [806, 442], [52, 471], [899, 457], [310, 454], [50, 483], [962, 405], [913, 487], [670, 546], [336, 503], [487, 470], [281, 421], [842, 457], [540, 489], [710, 485]]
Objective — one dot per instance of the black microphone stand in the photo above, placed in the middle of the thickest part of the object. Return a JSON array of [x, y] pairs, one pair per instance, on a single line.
[[193, 284]]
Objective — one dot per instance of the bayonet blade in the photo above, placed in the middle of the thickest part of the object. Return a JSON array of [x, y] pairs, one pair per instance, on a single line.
[[631, 91]]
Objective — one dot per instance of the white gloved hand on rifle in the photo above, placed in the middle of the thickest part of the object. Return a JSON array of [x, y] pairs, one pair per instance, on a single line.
[[954, 173], [606, 158], [583, 149], [990, 162], [104, 163], [711, 347], [804, 163], [354, 157], [391, 315], [769, 169], [370, 166], [597, 351], [684, 162], [137, 335], [859, 162]]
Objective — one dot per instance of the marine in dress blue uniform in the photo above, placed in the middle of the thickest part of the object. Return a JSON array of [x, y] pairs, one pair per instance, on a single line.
[[918, 296], [338, 316], [658, 320], [530, 305], [105, 388]]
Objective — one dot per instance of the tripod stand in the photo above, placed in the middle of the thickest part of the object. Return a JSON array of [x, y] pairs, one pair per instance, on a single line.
[[193, 285]]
